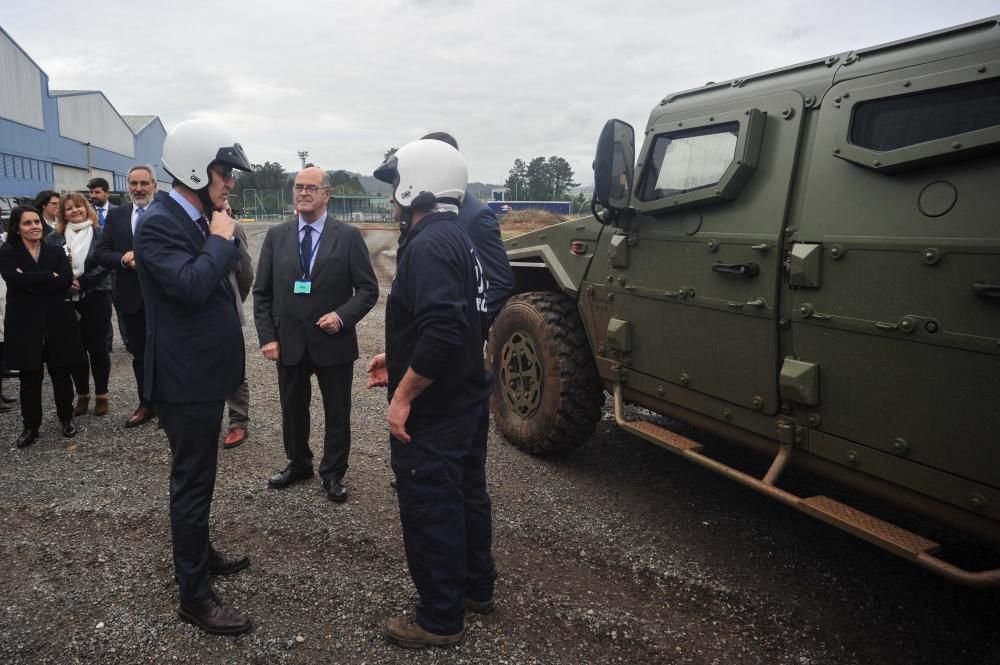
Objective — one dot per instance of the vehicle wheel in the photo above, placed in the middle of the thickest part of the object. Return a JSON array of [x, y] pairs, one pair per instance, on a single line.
[[548, 395]]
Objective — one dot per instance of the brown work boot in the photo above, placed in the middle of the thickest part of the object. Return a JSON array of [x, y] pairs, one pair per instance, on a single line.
[[82, 404], [101, 405], [406, 632]]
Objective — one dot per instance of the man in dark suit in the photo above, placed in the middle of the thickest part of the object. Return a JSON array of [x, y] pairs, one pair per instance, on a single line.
[[194, 348], [99, 190], [115, 252], [314, 283]]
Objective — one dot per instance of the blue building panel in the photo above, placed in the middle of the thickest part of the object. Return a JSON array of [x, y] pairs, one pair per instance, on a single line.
[[27, 154]]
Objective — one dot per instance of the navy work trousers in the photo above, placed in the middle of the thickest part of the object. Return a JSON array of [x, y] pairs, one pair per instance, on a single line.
[[193, 432], [445, 514]]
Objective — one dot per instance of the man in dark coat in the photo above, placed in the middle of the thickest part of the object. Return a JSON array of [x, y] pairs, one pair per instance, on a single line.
[[115, 252], [315, 282], [194, 348], [439, 391]]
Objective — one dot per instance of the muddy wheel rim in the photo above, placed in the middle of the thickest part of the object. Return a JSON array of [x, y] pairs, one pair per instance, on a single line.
[[521, 375]]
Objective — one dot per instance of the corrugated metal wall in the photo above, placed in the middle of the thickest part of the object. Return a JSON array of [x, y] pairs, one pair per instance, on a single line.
[[89, 117], [21, 83]]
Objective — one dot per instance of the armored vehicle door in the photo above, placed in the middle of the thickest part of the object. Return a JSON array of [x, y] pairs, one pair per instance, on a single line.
[[692, 284], [896, 271]]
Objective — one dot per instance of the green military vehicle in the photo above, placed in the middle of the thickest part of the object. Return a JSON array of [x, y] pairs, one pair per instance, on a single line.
[[805, 261]]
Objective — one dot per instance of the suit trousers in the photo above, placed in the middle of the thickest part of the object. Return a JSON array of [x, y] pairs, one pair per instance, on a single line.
[[135, 326], [445, 513], [239, 406], [94, 311], [193, 432], [295, 392], [31, 395]]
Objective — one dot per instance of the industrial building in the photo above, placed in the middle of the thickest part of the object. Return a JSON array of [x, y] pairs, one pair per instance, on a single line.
[[60, 139]]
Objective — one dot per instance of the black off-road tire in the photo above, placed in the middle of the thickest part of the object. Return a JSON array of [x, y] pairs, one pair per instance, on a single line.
[[548, 395]]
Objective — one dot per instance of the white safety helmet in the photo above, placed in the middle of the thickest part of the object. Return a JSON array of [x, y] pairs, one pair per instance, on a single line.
[[425, 173], [193, 146]]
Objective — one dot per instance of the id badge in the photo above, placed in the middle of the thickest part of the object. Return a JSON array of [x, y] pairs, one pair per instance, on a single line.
[[303, 286]]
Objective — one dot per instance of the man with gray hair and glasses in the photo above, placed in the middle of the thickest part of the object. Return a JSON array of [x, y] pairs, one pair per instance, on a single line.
[[314, 283], [114, 251]]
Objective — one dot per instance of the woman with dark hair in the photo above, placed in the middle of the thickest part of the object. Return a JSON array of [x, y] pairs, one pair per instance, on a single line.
[[39, 325], [47, 204], [77, 231]]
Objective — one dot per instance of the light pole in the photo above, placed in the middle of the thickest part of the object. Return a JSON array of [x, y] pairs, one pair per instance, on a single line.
[[303, 154]]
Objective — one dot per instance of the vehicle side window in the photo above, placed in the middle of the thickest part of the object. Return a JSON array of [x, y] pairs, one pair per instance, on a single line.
[[905, 120], [688, 160]]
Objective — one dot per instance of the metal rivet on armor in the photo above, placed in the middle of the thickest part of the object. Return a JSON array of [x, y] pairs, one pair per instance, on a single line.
[[956, 145], [906, 84], [685, 379], [931, 256], [727, 414], [876, 162], [690, 293], [931, 327], [836, 151], [783, 324], [981, 69], [852, 458], [900, 446], [805, 310], [813, 419], [836, 251], [979, 502], [907, 324], [757, 401], [660, 391]]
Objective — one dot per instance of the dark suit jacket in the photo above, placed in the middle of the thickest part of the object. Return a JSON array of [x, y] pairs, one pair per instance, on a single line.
[[480, 224], [194, 341], [342, 281], [38, 314], [115, 241]]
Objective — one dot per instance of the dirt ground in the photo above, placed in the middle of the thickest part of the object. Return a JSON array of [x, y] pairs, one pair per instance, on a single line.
[[616, 553]]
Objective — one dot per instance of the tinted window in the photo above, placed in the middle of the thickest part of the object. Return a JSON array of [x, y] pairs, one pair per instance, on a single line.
[[684, 161], [897, 122]]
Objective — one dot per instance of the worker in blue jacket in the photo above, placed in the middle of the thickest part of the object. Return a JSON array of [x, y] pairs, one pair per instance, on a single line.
[[436, 317]]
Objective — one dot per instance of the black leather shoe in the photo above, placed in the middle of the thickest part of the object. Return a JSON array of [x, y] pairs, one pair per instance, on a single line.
[[212, 616], [27, 437], [226, 564], [69, 429], [283, 479], [335, 491]]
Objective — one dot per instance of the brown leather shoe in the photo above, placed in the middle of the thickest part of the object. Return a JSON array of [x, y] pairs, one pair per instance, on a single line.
[[406, 632], [142, 415], [236, 436], [212, 616], [82, 404], [101, 403]]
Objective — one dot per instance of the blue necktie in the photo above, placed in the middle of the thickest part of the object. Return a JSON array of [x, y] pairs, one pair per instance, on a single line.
[[100, 217], [138, 218], [306, 249]]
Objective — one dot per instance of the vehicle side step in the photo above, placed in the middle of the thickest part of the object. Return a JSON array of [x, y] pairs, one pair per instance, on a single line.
[[880, 533], [868, 527]]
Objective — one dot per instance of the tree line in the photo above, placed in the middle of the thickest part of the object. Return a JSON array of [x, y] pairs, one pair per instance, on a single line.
[[540, 179]]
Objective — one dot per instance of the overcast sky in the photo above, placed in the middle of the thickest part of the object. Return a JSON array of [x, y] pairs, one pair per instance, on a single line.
[[346, 80]]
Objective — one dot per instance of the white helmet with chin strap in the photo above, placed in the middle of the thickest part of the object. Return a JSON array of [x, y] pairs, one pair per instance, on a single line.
[[195, 145], [425, 174]]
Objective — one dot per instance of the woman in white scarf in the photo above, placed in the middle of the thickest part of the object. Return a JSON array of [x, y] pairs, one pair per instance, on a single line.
[[78, 231]]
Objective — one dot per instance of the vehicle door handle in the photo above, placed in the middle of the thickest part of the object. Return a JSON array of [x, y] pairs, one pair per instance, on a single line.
[[983, 290], [741, 269]]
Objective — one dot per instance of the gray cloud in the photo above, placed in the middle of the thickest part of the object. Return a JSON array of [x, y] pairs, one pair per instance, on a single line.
[[522, 78]]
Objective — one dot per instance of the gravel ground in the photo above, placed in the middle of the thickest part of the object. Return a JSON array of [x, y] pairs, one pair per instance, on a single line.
[[619, 552]]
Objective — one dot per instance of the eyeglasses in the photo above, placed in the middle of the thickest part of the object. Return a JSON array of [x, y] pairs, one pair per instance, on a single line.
[[225, 174], [311, 189]]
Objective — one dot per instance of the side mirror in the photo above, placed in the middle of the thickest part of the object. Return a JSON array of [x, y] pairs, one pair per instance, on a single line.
[[614, 168]]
